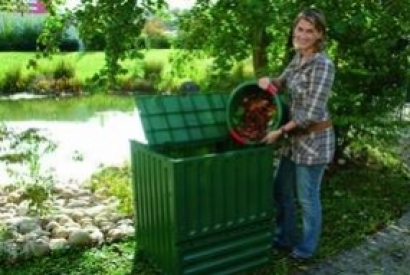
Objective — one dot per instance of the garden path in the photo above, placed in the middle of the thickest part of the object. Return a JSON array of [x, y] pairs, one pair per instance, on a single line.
[[385, 253]]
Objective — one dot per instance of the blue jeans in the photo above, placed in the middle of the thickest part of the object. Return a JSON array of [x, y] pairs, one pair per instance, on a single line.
[[298, 184]]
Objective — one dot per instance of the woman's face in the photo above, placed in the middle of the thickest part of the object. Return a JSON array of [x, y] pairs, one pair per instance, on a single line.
[[305, 36]]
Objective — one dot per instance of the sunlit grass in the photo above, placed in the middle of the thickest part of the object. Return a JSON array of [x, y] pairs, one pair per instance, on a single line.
[[86, 64]]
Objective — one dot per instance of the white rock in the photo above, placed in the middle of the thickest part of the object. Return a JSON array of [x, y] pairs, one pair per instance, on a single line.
[[11, 206], [125, 221], [86, 221], [6, 216], [59, 202], [127, 230], [58, 244], [63, 219], [36, 234], [95, 210], [3, 201], [38, 248], [77, 215], [52, 225], [15, 197], [66, 194], [106, 226], [27, 225], [115, 234], [90, 228], [79, 237], [77, 203], [60, 232], [72, 224], [97, 236]]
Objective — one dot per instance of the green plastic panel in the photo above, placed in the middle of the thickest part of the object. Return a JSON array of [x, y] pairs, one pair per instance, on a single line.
[[180, 119], [188, 200], [230, 252]]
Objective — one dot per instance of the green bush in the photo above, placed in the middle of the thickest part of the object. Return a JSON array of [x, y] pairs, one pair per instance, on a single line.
[[96, 43], [159, 42], [64, 69], [23, 38], [152, 71], [69, 45], [13, 82], [114, 181]]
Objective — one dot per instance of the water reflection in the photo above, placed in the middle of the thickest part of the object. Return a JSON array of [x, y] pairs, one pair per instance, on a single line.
[[84, 146]]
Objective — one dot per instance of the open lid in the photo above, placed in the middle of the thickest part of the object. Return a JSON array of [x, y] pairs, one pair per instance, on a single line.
[[170, 120]]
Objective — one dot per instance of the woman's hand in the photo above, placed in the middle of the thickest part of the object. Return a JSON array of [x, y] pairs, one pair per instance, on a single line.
[[272, 136], [264, 83]]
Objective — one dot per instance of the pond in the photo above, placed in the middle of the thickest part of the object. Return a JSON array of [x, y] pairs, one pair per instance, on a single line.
[[85, 146]]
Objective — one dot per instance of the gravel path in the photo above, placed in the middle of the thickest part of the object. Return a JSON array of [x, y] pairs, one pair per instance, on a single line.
[[385, 253]]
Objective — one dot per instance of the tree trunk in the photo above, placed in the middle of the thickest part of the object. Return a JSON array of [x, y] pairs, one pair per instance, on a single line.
[[259, 52]]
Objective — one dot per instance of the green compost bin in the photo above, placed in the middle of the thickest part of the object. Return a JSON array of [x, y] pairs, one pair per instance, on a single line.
[[203, 204]]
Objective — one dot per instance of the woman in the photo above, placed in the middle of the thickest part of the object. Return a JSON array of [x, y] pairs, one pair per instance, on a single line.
[[311, 143]]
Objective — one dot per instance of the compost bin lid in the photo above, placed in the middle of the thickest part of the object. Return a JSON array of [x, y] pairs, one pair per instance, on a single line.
[[170, 120]]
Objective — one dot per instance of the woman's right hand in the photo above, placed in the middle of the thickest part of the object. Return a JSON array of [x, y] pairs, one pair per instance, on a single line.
[[264, 82], [272, 136]]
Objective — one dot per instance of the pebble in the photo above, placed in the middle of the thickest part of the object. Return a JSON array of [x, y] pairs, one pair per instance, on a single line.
[[81, 219]]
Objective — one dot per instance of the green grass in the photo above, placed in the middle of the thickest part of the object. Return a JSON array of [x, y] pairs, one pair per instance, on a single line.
[[66, 109], [357, 202], [86, 64], [89, 63]]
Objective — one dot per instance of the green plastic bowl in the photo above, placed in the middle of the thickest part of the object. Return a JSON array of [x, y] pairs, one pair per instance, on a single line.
[[239, 117]]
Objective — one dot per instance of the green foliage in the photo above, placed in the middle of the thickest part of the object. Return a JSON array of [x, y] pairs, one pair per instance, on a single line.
[[19, 38], [23, 37], [152, 71], [234, 31], [64, 69], [121, 23], [114, 181], [368, 42], [55, 79], [12, 82], [21, 151]]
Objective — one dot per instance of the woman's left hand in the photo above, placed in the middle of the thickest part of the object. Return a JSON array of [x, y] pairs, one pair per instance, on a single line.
[[272, 137]]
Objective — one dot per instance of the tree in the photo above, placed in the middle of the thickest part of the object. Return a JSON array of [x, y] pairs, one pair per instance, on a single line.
[[121, 22], [230, 31], [368, 40]]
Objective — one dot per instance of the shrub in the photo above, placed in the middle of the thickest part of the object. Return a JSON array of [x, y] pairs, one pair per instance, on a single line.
[[96, 43], [114, 181], [159, 42], [41, 85], [13, 82], [152, 70], [25, 149], [69, 45], [63, 69]]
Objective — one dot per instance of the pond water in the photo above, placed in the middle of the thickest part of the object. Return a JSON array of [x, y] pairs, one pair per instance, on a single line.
[[83, 147], [102, 140]]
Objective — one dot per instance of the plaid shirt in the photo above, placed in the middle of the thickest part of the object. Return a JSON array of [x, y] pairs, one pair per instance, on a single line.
[[309, 87]]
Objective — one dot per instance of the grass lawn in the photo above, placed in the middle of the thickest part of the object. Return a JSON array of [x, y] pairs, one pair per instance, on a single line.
[[357, 202], [86, 64]]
